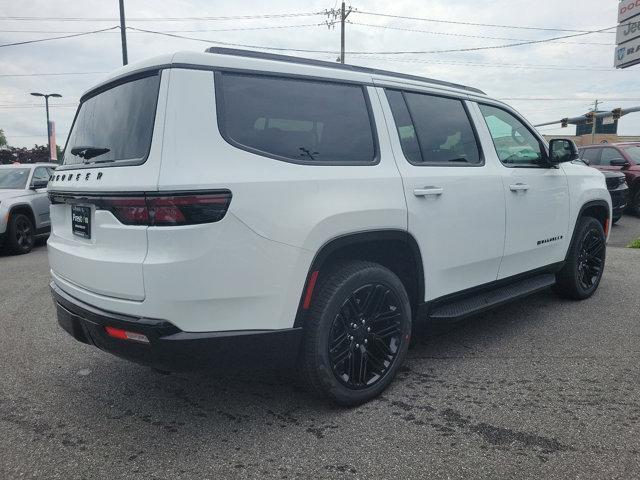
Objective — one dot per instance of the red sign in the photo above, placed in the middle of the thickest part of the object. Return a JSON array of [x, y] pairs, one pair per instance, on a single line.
[[52, 140]]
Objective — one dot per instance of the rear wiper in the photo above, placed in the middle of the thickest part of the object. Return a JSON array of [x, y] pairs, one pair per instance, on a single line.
[[89, 152], [308, 153], [459, 159]]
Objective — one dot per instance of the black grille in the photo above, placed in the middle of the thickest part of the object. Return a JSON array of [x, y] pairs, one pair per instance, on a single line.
[[614, 182]]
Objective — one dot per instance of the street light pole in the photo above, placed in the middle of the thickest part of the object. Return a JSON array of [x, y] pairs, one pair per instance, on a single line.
[[46, 104]]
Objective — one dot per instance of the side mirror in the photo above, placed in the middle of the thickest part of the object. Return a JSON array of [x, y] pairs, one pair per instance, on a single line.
[[562, 150], [619, 162], [37, 184]]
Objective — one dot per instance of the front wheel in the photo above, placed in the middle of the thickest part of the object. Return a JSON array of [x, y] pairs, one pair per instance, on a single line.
[[582, 272], [20, 234], [357, 333], [635, 202]]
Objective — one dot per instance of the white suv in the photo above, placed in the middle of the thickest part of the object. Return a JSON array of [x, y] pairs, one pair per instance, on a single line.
[[233, 206]]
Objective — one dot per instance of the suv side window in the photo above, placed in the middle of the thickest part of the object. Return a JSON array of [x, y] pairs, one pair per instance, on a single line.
[[515, 144], [41, 173], [300, 121], [609, 154], [434, 130], [591, 156]]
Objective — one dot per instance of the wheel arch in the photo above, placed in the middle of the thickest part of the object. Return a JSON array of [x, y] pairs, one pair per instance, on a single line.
[[396, 250], [25, 209], [598, 209]]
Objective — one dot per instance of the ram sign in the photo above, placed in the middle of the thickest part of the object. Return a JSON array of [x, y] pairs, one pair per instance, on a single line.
[[628, 35]]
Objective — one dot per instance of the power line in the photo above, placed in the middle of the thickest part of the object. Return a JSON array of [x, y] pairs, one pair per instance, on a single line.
[[508, 45], [497, 65], [476, 24], [163, 19], [230, 44], [36, 105], [56, 38], [573, 99], [469, 36], [469, 49], [242, 29], [49, 74]]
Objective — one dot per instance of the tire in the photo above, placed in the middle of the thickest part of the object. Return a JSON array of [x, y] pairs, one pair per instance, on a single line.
[[20, 234], [615, 219], [357, 333], [634, 204], [582, 271]]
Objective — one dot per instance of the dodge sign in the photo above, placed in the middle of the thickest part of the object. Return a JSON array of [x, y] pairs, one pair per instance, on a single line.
[[628, 9], [627, 51]]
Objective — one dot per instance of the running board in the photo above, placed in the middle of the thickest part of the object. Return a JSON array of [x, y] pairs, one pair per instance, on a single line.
[[492, 298]]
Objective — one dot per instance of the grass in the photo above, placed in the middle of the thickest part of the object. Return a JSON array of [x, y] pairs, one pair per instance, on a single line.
[[634, 244]]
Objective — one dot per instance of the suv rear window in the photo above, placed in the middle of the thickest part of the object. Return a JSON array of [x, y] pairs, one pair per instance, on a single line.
[[434, 130], [302, 121], [115, 125]]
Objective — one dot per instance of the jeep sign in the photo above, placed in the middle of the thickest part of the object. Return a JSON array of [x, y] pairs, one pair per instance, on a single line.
[[627, 51], [629, 30], [628, 9]]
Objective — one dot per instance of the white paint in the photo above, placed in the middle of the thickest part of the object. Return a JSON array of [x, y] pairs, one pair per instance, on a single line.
[[248, 270]]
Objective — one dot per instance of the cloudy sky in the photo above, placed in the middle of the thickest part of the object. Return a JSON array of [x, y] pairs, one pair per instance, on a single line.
[[559, 78]]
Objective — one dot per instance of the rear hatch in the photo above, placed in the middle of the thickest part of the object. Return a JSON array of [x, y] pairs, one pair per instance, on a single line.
[[113, 153]]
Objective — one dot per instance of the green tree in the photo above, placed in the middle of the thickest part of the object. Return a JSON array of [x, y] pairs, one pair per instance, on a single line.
[[3, 139]]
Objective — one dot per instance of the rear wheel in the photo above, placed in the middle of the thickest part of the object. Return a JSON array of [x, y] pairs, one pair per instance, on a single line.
[[615, 218], [20, 234], [357, 333], [581, 274]]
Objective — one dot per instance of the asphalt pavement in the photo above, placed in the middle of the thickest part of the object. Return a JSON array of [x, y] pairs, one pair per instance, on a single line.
[[541, 388]]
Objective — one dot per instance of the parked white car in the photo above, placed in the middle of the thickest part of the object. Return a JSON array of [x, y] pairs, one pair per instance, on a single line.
[[235, 206], [24, 205]]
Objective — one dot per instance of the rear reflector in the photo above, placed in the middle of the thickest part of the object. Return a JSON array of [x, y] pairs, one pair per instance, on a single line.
[[126, 335], [310, 286]]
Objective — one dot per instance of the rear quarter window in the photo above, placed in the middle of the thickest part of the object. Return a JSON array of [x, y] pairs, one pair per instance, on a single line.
[[117, 123], [296, 120]]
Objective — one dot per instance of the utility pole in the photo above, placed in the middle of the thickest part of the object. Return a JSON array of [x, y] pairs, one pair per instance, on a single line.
[[333, 16], [595, 122], [46, 104], [123, 35]]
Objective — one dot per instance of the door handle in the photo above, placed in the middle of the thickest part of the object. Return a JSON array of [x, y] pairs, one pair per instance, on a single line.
[[519, 187], [423, 192]]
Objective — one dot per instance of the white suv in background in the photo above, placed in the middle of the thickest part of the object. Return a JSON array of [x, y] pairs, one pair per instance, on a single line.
[[24, 206], [232, 206]]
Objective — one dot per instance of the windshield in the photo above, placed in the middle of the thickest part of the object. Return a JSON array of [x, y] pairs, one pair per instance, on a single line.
[[13, 178], [634, 153], [115, 125]]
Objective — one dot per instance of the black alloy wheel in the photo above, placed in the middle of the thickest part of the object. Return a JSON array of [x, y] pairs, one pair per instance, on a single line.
[[583, 268], [635, 202], [366, 335], [21, 234], [356, 332], [591, 259]]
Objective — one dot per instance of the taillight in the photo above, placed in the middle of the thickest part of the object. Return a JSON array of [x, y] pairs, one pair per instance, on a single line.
[[167, 210]]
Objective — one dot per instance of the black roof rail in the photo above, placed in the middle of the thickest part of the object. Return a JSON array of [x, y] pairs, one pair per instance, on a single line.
[[340, 66]]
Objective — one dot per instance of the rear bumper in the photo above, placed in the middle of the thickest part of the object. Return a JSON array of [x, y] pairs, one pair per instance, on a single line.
[[171, 349]]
